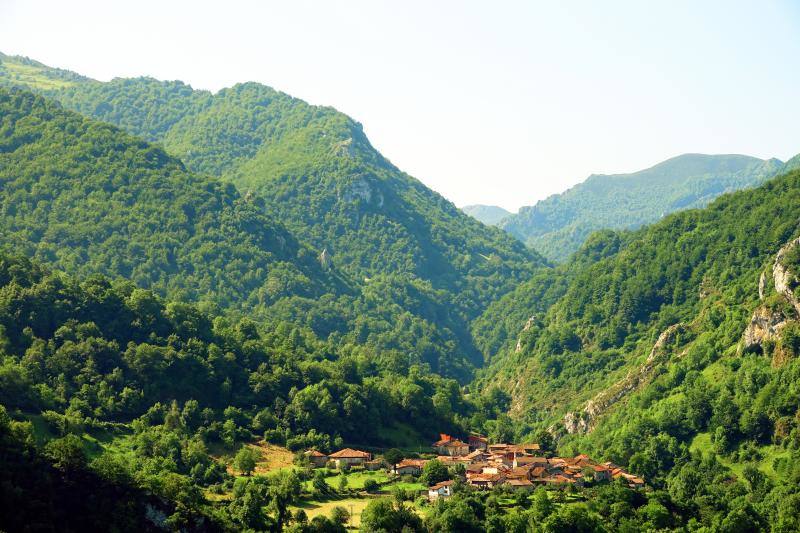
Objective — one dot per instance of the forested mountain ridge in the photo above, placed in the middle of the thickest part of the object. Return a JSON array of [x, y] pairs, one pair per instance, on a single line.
[[607, 307], [673, 349], [638, 350], [316, 171], [491, 215], [599, 317], [416, 268], [396, 241], [558, 225], [89, 198]]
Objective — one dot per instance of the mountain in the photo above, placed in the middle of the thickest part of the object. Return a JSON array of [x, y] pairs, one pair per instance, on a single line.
[[88, 198], [676, 339], [410, 261], [314, 167], [558, 225], [308, 294], [672, 349], [588, 322], [491, 215]]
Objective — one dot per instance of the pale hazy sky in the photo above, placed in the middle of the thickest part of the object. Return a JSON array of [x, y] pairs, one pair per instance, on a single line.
[[495, 102]]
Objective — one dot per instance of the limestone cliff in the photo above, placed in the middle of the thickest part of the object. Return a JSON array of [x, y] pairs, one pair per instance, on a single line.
[[771, 318], [785, 279]]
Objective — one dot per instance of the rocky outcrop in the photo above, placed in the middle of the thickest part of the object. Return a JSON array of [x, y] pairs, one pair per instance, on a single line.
[[345, 148], [767, 322], [584, 421], [361, 189], [783, 277], [525, 328], [325, 259], [575, 422], [765, 325]]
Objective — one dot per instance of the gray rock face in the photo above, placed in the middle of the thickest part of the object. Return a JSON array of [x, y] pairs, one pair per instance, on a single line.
[[361, 189], [325, 259], [765, 325], [576, 423], [783, 277], [525, 328]]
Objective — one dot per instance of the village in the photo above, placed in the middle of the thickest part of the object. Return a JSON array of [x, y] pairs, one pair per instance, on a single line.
[[484, 466]]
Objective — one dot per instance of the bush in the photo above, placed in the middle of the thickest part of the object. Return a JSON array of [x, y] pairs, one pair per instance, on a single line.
[[340, 515], [371, 486]]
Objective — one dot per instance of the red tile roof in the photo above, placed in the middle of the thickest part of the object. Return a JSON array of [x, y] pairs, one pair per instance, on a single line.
[[315, 453], [411, 462], [349, 453]]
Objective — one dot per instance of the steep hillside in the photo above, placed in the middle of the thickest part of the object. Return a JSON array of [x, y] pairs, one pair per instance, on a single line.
[[317, 173], [89, 198], [491, 215], [558, 225], [604, 329], [674, 350], [147, 387], [404, 270]]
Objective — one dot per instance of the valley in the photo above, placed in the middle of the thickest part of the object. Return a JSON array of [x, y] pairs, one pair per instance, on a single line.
[[211, 302]]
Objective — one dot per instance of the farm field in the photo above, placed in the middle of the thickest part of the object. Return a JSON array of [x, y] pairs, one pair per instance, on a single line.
[[314, 508]]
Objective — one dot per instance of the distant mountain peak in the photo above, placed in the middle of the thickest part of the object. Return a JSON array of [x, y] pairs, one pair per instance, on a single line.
[[559, 224], [491, 215]]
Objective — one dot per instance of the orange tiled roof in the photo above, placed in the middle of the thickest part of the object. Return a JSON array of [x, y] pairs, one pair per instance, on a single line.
[[411, 462], [349, 453], [315, 453]]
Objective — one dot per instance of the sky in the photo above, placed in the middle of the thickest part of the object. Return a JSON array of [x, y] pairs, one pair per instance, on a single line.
[[501, 102]]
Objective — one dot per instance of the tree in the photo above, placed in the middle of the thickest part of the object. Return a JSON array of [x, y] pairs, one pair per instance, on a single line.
[[245, 460], [502, 430], [454, 516], [393, 456], [571, 519], [250, 495], [284, 488], [384, 515], [66, 453], [319, 483], [434, 472], [545, 440], [342, 483]]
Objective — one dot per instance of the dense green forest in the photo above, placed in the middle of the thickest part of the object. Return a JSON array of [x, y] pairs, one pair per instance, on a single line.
[[315, 170], [607, 308], [641, 341], [87, 198], [99, 357], [421, 266], [183, 274], [558, 225]]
